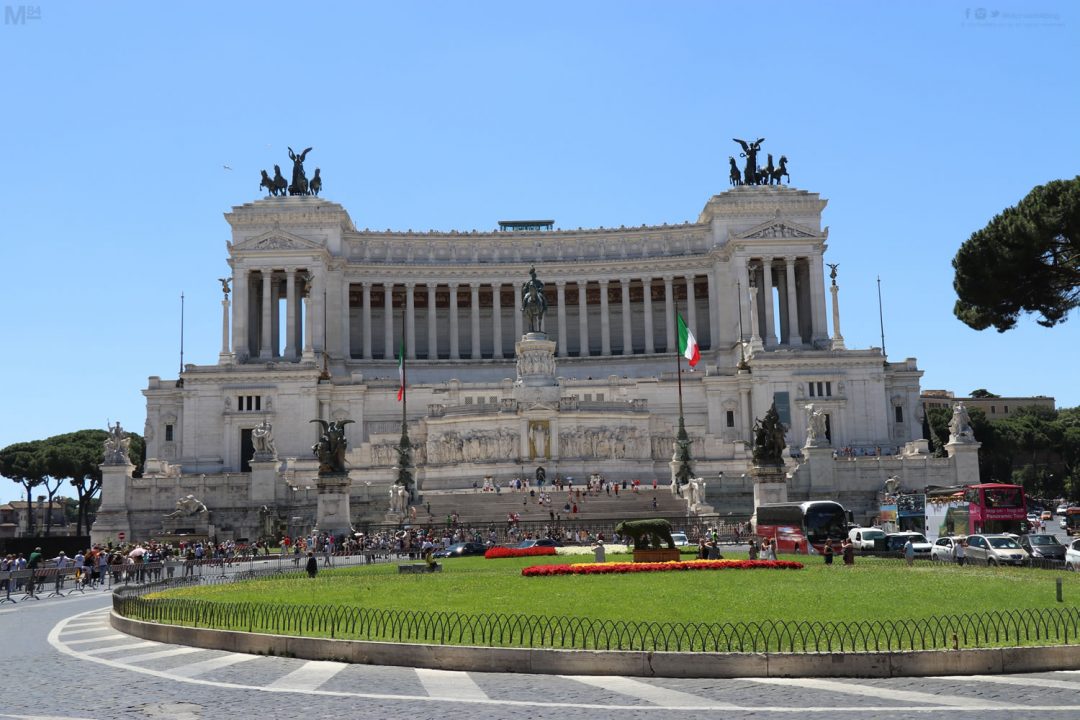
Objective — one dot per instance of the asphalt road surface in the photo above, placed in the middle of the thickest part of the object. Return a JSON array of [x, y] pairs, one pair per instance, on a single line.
[[62, 659]]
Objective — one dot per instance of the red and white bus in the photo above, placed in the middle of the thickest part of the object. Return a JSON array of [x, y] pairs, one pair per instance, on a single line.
[[982, 508], [795, 524]]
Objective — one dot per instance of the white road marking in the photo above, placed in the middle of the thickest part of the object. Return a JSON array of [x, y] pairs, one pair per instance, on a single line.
[[120, 648], [450, 684], [644, 691], [162, 654], [205, 666], [97, 628], [1024, 681], [111, 636], [308, 676], [851, 688]]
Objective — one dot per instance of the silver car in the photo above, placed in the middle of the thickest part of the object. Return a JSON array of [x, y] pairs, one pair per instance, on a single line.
[[944, 549], [995, 550], [1072, 555]]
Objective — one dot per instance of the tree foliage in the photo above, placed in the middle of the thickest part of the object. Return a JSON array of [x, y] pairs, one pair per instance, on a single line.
[[75, 457], [1026, 260]]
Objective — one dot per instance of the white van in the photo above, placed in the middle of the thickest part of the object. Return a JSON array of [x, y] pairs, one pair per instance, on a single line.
[[867, 538]]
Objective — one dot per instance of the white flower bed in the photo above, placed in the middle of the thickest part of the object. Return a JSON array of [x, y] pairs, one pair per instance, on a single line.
[[587, 550]]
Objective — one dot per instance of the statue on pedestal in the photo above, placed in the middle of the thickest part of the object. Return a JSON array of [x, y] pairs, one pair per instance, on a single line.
[[769, 440], [815, 426], [262, 438], [299, 184], [750, 151], [116, 446], [330, 449], [533, 302], [960, 425]]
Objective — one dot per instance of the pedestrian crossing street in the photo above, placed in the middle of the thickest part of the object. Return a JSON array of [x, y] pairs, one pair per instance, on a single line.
[[89, 637]]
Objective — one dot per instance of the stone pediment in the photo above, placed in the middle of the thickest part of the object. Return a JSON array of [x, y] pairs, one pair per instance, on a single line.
[[275, 240], [776, 228]]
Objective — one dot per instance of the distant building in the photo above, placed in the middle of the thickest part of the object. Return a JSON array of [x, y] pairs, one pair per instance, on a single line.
[[995, 408], [15, 520]]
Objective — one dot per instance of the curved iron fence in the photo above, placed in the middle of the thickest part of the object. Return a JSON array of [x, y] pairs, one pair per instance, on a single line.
[[994, 629]]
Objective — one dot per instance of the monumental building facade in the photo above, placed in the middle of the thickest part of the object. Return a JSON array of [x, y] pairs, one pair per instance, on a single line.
[[316, 312]]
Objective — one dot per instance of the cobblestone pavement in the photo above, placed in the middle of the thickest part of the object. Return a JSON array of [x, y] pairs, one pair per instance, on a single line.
[[63, 660]]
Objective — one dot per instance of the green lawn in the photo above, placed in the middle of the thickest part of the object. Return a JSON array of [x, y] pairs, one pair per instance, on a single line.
[[871, 590]]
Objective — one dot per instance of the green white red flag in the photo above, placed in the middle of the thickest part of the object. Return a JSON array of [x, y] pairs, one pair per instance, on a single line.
[[401, 371], [688, 346]]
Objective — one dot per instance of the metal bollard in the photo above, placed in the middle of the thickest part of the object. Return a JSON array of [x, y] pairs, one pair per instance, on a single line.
[[1059, 590]]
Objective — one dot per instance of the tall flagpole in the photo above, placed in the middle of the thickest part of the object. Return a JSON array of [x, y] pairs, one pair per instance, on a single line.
[[682, 440], [180, 375]]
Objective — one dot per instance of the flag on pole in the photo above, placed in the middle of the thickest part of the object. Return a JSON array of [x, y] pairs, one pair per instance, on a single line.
[[401, 371], [688, 346]]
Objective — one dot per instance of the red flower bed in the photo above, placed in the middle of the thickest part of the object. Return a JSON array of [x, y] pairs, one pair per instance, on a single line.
[[506, 552], [624, 567]]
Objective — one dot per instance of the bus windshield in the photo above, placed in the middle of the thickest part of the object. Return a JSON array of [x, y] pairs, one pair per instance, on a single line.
[[1003, 497], [824, 522]]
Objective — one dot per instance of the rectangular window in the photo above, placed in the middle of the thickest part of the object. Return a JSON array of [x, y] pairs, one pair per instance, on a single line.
[[587, 397], [731, 418], [820, 389], [168, 432], [899, 410], [811, 389], [1006, 409], [599, 397], [493, 399], [468, 401], [782, 400], [258, 402], [480, 400], [828, 389], [993, 409]]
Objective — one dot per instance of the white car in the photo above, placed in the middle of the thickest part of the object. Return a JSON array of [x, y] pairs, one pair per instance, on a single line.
[[1072, 556], [1062, 508], [680, 539], [867, 538], [919, 543], [944, 549]]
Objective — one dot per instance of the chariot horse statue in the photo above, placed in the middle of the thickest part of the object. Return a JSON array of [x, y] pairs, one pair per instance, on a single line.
[[533, 302]]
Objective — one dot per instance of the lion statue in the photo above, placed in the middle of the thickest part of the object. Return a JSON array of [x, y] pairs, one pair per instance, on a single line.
[[646, 533]]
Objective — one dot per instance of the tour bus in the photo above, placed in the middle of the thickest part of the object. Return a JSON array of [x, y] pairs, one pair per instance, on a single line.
[[977, 509], [792, 525]]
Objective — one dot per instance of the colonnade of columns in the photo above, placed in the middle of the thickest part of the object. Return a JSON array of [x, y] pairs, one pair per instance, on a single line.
[[582, 326], [795, 315], [256, 314]]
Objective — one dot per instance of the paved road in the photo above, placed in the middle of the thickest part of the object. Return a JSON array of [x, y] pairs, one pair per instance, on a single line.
[[63, 660]]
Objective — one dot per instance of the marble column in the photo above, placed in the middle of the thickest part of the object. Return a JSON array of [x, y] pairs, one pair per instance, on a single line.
[[714, 310], [432, 327], [583, 319], [453, 322], [224, 328], [241, 303], [309, 317], [837, 338], [755, 337], [820, 331], [669, 313], [691, 305], [519, 330], [410, 320], [770, 310], [265, 335], [627, 334], [290, 314], [275, 317], [650, 345], [474, 313], [792, 304], [560, 298], [346, 318], [496, 321], [389, 351], [367, 319], [605, 321]]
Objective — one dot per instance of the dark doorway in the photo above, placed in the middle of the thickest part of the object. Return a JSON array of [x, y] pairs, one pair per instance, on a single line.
[[247, 449]]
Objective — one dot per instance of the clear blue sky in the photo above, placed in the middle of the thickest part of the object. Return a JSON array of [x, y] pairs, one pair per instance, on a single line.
[[918, 122]]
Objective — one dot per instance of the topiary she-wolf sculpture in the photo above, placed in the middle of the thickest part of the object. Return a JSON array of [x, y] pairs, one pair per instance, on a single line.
[[646, 533]]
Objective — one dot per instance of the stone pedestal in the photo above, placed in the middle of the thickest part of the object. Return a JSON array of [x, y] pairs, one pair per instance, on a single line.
[[535, 383], [112, 516], [965, 456], [770, 484], [263, 479], [333, 514], [822, 471], [657, 556]]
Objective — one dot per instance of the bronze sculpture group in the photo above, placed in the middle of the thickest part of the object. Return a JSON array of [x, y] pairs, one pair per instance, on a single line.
[[330, 449], [769, 440], [300, 185], [533, 302], [751, 173]]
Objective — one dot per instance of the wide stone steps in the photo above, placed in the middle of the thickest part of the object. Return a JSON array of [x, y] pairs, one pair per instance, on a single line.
[[481, 508]]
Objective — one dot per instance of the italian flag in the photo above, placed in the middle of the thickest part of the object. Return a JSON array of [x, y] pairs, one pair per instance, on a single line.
[[401, 371], [688, 346]]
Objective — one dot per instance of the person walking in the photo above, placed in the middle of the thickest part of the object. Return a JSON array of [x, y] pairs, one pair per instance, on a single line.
[[909, 552], [848, 549], [312, 564], [959, 553], [828, 552]]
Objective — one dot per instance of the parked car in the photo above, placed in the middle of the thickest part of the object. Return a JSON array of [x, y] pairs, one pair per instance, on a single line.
[[1043, 545], [680, 539], [540, 542], [998, 549], [867, 538], [896, 541], [944, 549], [1046, 515], [1062, 508], [1072, 555], [461, 550]]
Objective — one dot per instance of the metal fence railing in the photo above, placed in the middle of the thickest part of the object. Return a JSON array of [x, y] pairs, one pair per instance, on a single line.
[[968, 630]]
